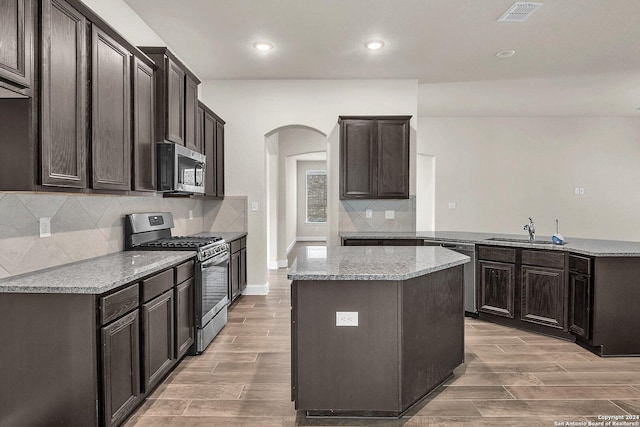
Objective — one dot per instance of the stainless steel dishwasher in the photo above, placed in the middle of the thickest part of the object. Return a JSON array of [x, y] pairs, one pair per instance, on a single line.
[[469, 250]]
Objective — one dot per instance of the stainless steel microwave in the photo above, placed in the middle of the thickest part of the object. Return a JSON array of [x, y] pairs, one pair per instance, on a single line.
[[180, 170]]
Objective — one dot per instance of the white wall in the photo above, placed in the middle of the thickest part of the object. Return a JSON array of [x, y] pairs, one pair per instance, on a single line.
[[500, 171], [304, 229], [125, 21], [254, 108]]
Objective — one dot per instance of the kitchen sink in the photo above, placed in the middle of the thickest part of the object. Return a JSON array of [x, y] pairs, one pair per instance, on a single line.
[[531, 242]]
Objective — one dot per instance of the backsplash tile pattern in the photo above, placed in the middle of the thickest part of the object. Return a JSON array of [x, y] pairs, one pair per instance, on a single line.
[[88, 226], [353, 215], [82, 226], [229, 214]]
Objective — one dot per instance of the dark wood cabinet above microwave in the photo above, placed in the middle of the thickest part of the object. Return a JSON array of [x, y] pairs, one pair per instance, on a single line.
[[176, 99], [210, 132], [374, 157]]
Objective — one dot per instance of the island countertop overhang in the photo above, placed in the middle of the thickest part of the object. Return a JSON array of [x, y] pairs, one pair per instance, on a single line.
[[371, 263]]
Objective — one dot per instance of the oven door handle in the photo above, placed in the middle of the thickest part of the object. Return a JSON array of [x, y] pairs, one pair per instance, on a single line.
[[215, 261]]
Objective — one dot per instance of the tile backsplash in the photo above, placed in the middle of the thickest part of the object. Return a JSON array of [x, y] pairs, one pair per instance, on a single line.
[[353, 215], [85, 226]]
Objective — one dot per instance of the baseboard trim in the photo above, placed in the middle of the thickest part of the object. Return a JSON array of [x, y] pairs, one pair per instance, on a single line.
[[256, 289], [272, 265], [311, 239]]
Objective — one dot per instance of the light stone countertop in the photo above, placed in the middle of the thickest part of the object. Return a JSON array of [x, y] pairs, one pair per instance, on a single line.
[[95, 275], [592, 247], [228, 236], [371, 262]]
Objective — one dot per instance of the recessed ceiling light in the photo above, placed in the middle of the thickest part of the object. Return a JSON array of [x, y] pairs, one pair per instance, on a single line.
[[263, 46], [374, 44], [506, 53]]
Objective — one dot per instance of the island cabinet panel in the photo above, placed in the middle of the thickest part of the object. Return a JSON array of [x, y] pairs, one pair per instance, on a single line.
[[616, 316], [358, 167], [63, 106], [408, 339], [393, 159], [111, 113], [16, 32], [437, 318], [120, 368], [542, 296], [344, 367], [158, 339], [144, 145], [497, 288]]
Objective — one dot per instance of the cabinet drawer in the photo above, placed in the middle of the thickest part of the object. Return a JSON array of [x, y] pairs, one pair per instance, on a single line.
[[235, 245], [184, 271], [243, 242], [543, 258], [155, 285], [579, 264], [118, 303], [492, 253]]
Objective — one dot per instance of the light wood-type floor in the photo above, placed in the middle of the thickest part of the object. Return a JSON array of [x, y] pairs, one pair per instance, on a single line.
[[510, 378]]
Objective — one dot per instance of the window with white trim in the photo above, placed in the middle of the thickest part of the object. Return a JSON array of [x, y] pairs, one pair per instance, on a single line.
[[316, 197]]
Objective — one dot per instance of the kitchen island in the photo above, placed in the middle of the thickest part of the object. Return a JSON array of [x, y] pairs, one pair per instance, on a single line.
[[373, 329]]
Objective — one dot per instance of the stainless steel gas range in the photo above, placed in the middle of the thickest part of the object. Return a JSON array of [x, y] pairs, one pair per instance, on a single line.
[[152, 231]]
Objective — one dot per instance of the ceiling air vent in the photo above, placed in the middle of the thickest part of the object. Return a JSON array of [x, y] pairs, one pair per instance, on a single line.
[[520, 11]]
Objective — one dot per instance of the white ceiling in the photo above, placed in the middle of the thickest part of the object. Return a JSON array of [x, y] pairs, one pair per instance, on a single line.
[[575, 57]]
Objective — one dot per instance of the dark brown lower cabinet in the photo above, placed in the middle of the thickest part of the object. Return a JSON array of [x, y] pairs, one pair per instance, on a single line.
[[234, 274], [157, 339], [579, 304], [120, 368], [497, 288], [238, 268], [185, 332], [542, 296]]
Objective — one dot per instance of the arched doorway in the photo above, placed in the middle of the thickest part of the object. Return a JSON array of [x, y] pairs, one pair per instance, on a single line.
[[295, 160]]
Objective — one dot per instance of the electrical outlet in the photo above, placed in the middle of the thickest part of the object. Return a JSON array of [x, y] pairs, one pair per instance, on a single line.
[[389, 214], [254, 206], [368, 213], [581, 191], [576, 191], [452, 205], [190, 214], [346, 318], [45, 227]]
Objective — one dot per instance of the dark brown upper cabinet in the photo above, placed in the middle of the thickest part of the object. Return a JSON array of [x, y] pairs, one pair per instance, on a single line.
[[144, 145], [16, 46], [176, 98], [212, 141], [374, 157], [63, 107], [219, 157], [190, 114], [110, 114]]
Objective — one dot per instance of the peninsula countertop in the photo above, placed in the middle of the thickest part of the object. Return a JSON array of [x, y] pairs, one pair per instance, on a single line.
[[592, 247], [94, 275], [371, 262]]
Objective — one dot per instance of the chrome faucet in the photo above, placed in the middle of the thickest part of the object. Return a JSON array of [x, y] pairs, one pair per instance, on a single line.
[[531, 228]]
